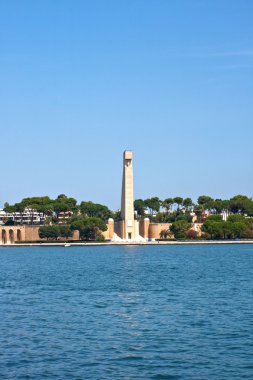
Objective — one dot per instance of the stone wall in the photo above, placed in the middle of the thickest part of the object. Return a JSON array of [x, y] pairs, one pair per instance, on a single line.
[[156, 228], [152, 230], [13, 234]]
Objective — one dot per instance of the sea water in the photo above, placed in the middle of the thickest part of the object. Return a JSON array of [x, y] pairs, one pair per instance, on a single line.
[[127, 312]]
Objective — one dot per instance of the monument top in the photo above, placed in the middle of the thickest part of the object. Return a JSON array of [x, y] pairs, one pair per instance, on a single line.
[[128, 155]]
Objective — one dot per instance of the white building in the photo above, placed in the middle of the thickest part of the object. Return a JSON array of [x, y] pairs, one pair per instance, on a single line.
[[29, 216]]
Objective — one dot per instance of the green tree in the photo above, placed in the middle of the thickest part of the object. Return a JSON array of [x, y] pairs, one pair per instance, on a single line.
[[249, 223], [178, 201], [185, 216], [214, 229], [116, 216], [179, 229], [164, 234], [238, 229], [140, 207], [62, 197], [40, 204], [162, 217], [187, 203], [33, 204], [236, 218], [199, 211], [60, 207], [227, 228], [167, 204], [8, 221], [97, 210], [17, 208], [64, 205], [153, 204], [100, 238], [241, 204], [10, 208], [65, 231], [90, 228], [49, 232], [234, 227], [219, 205], [215, 218], [205, 201]]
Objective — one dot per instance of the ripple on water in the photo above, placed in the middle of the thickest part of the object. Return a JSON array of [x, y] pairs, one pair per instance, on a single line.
[[175, 312]]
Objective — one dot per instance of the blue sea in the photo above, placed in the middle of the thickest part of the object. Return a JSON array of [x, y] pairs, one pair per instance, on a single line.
[[128, 312]]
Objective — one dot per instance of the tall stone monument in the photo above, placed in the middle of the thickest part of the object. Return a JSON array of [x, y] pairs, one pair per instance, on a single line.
[[127, 198], [127, 228]]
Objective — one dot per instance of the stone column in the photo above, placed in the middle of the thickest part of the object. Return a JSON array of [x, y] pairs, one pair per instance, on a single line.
[[110, 228], [127, 198]]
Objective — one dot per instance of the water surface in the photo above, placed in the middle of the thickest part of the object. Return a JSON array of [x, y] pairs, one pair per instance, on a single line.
[[154, 312]]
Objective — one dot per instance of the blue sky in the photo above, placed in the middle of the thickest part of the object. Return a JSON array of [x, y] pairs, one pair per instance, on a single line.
[[81, 81]]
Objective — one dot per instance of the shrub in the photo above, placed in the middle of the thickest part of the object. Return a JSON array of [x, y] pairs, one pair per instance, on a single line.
[[215, 218], [248, 234], [187, 217], [180, 228], [205, 235], [65, 231], [191, 234], [100, 238], [49, 232], [164, 234]]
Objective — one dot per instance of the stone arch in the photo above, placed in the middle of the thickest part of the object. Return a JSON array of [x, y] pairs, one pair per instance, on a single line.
[[19, 235], [11, 236], [4, 237]]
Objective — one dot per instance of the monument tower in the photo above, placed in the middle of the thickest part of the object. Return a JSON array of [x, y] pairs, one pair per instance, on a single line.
[[128, 225]]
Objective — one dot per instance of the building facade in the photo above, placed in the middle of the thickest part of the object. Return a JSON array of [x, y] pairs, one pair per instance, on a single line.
[[28, 217]]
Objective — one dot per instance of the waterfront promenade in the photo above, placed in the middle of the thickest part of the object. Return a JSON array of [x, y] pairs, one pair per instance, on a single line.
[[123, 243]]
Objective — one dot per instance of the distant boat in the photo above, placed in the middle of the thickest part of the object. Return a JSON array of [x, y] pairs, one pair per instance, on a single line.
[[66, 245]]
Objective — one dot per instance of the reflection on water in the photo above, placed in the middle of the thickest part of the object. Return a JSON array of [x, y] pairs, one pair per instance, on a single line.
[[175, 312]]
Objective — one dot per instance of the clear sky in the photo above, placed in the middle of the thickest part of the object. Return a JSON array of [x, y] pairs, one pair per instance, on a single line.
[[81, 81]]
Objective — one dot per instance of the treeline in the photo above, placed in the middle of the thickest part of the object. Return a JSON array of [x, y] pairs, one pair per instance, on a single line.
[[235, 227], [55, 232], [90, 228], [88, 218], [154, 206], [52, 208], [63, 215], [172, 209]]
